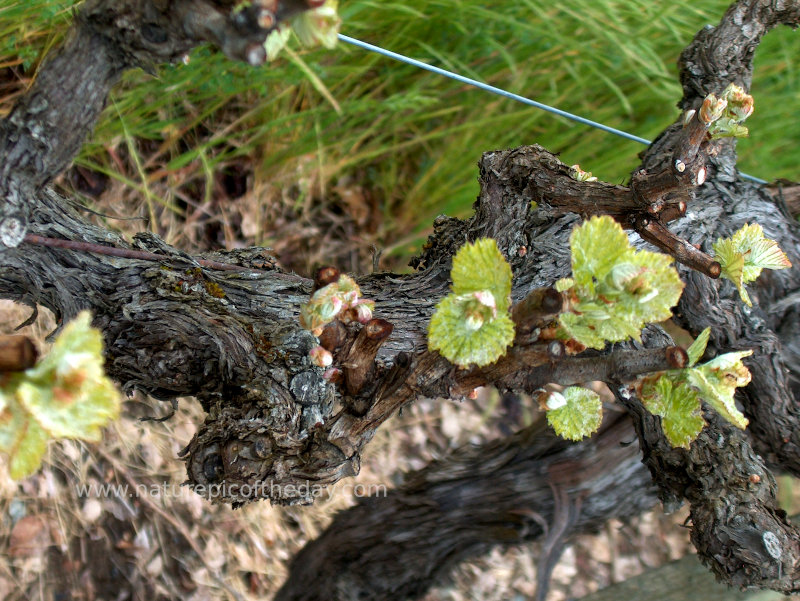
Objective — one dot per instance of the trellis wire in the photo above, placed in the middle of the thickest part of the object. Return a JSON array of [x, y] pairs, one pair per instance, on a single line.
[[505, 93]]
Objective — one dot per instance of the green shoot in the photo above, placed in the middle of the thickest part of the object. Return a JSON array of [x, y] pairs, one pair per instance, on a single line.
[[574, 413], [472, 325], [66, 395], [745, 254], [675, 395], [328, 302], [614, 290]]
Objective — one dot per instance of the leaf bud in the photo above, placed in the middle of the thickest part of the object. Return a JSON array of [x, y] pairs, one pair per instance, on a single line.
[[712, 109], [320, 357]]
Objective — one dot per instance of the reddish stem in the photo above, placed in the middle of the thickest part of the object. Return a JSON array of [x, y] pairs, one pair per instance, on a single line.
[[126, 253]]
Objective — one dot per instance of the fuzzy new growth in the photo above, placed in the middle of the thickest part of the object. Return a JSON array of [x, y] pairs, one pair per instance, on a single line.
[[228, 353]]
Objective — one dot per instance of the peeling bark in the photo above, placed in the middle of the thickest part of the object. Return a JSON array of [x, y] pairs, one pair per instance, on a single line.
[[275, 425]]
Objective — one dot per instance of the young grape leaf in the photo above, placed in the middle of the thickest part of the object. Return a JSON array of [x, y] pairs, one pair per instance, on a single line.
[[481, 266], [698, 347], [66, 395], [597, 246], [472, 324], [580, 416], [318, 26], [614, 290], [327, 302], [675, 394], [717, 381], [745, 254], [464, 340], [21, 438], [678, 405]]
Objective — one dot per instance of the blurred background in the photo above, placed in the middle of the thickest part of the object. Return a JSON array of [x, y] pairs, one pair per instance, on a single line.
[[320, 156]]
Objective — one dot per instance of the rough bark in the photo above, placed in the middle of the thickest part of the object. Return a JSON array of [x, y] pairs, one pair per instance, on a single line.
[[531, 486], [231, 338]]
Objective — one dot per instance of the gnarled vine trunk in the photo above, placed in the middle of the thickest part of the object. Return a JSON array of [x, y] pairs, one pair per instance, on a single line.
[[179, 326]]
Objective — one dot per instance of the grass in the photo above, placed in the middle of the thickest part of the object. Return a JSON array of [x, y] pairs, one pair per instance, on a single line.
[[409, 137], [341, 149]]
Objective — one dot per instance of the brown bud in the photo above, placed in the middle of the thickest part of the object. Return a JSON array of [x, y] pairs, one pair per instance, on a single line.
[[552, 301], [324, 276]]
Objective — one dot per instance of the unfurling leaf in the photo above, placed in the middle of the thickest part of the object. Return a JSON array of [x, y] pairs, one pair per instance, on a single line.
[[678, 405], [717, 381], [329, 301], [615, 289], [574, 413], [463, 338], [698, 347], [580, 175], [726, 114], [745, 254], [66, 395], [317, 26], [675, 395], [472, 325], [481, 266]]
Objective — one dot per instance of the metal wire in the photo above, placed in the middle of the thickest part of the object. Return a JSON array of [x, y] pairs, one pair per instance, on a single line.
[[500, 92]]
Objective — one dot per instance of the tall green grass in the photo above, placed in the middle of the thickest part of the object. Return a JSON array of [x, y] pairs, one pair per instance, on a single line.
[[412, 137]]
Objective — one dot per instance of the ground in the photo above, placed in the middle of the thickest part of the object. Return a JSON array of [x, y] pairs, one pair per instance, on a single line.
[[199, 186]]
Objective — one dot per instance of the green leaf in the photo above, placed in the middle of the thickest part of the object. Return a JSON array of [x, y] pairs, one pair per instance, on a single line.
[[564, 284], [318, 25], [576, 413], [717, 381], [615, 290], [698, 347], [276, 41], [678, 405], [481, 266], [20, 437], [66, 395], [745, 254], [465, 334], [472, 325], [597, 246], [596, 325]]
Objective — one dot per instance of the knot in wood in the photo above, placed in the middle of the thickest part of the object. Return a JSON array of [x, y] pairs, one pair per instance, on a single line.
[[772, 545]]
